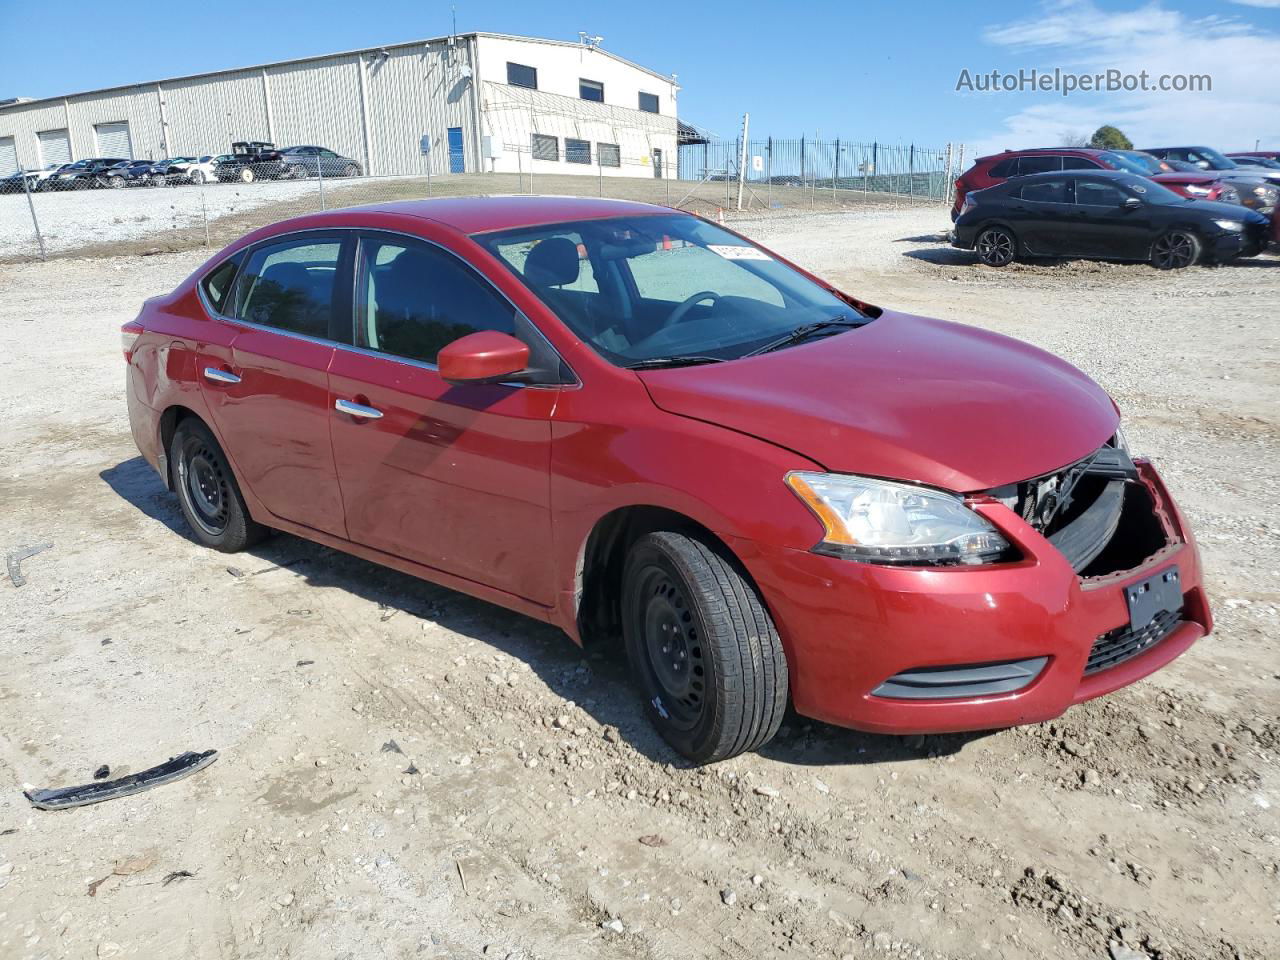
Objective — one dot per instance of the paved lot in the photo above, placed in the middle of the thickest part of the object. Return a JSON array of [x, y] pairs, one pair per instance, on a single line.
[[525, 802]]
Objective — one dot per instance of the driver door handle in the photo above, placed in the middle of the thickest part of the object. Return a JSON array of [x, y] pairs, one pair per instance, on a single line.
[[357, 410]]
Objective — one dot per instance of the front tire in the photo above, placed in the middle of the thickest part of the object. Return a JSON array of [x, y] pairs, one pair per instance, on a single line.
[[207, 490], [351, 170], [247, 175], [702, 647], [996, 246], [197, 177], [1175, 250]]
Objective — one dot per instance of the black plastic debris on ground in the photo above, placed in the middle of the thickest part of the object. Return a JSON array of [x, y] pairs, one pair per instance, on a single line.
[[175, 768], [102, 772]]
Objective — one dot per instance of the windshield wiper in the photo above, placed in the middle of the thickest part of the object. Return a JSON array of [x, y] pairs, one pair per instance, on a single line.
[[655, 363], [804, 332]]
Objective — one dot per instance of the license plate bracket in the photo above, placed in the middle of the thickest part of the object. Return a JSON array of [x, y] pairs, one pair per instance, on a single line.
[[1156, 594]]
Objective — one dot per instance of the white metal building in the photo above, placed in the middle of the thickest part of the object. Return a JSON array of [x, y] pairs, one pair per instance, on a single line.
[[487, 102]]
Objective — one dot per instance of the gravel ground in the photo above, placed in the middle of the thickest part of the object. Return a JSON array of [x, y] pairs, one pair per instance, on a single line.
[[408, 772]]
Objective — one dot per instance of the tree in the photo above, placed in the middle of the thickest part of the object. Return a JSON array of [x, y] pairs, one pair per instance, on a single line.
[[1107, 137], [1074, 138]]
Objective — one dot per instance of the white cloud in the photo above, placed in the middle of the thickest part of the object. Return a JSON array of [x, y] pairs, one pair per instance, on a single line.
[[1265, 4], [1077, 36]]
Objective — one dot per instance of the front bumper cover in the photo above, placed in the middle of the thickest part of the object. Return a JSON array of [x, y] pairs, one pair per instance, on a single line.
[[850, 627]]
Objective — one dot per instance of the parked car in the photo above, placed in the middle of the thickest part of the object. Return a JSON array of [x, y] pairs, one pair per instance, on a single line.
[[13, 183], [753, 478], [1104, 215], [131, 173], [1246, 160], [249, 161], [1272, 155], [1206, 158], [1198, 185], [298, 162], [988, 171], [186, 170], [82, 174]]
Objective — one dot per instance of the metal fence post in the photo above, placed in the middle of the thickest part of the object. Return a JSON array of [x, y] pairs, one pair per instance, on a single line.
[[26, 184], [768, 168], [835, 176], [204, 213], [320, 176], [911, 172]]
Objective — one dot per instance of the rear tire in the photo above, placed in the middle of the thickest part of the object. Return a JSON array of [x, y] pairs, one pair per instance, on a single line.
[[351, 170], [1175, 250], [197, 177], [247, 175], [207, 490], [703, 649], [997, 246]]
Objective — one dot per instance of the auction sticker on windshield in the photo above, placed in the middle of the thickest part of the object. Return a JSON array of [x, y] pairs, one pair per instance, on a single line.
[[738, 253]]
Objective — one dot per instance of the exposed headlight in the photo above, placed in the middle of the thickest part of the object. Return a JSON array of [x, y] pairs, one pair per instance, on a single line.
[[1196, 191], [878, 521], [1230, 225], [1262, 190]]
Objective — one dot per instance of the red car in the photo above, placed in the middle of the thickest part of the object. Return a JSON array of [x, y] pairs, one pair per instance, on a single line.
[[988, 171], [628, 421]]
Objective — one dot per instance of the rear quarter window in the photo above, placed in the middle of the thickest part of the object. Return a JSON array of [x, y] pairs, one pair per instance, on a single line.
[[217, 283]]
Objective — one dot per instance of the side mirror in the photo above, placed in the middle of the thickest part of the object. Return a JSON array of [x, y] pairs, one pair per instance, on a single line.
[[1132, 203], [486, 356]]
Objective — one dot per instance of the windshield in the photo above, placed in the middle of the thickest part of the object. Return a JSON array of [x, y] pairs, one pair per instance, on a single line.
[[1152, 192], [1139, 162], [1128, 162], [1216, 160], [646, 287]]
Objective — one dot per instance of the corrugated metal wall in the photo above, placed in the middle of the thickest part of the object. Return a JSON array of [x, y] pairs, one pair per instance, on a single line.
[[318, 102], [417, 90], [207, 114]]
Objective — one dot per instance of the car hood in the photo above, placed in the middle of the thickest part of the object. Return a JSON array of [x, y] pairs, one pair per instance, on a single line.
[[906, 398]]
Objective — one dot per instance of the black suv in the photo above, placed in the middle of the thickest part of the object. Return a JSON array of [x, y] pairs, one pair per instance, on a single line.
[[251, 160]]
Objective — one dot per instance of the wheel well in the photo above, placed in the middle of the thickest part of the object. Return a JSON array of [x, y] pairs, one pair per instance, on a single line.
[[169, 421], [598, 577]]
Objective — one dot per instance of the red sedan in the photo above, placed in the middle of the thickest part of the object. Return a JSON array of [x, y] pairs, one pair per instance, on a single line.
[[628, 421]]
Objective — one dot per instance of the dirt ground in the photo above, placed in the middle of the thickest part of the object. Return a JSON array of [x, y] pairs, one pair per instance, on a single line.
[[407, 772]]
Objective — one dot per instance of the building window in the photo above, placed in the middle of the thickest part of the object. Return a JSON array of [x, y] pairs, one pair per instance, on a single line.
[[577, 151], [591, 90], [518, 75], [545, 148], [609, 154], [649, 102]]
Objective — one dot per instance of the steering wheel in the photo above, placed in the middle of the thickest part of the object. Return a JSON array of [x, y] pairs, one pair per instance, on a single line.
[[680, 312]]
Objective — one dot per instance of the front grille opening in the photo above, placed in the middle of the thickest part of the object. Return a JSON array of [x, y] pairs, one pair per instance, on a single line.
[[1139, 535], [1086, 491], [1124, 643]]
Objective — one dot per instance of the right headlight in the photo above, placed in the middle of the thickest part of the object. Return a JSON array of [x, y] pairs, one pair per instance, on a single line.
[[880, 521]]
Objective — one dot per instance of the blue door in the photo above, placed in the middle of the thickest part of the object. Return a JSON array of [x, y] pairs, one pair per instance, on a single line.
[[457, 159]]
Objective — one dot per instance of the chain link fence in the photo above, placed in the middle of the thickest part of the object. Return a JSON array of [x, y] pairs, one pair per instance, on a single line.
[[187, 202]]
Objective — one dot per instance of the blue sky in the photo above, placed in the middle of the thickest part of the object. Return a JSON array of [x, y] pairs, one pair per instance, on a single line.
[[864, 71]]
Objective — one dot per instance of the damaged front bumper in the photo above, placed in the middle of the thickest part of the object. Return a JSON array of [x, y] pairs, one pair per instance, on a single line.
[[937, 649]]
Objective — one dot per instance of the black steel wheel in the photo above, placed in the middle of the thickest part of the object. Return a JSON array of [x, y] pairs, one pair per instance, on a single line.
[[207, 490], [702, 648], [996, 247], [1175, 250]]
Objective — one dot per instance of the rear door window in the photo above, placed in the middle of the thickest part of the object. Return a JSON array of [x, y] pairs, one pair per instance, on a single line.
[[290, 285], [1028, 165], [1079, 163]]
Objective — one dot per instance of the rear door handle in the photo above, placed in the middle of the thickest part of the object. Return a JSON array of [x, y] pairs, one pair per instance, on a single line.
[[357, 410], [220, 376]]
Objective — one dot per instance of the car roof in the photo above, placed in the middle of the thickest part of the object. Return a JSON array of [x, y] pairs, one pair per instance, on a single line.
[[484, 214], [1041, 151]]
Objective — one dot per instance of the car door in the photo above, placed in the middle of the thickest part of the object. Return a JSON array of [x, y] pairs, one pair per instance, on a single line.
[[330, 162], [1042, 209], [266, 383], [455, 477], [1106, 227]]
